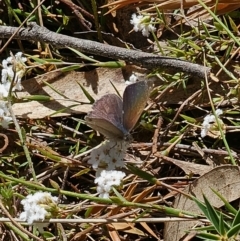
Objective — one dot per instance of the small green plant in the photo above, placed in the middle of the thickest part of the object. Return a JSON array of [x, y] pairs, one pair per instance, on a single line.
[[223, 226]]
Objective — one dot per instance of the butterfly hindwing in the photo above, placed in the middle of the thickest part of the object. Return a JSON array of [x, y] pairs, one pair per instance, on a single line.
[[106, 116]]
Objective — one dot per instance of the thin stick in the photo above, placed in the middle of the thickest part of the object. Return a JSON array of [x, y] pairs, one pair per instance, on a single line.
[[110, 220], [18, 29], [146, 60]]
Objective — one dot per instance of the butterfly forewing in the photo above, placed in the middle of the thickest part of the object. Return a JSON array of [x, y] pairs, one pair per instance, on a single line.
[[106, 116], [134, 100]]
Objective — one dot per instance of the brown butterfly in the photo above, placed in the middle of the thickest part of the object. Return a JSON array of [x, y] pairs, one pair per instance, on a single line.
[[115, 117]]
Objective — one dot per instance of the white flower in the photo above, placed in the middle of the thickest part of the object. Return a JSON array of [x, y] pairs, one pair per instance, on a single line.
[[5, 63], [19, 57], [5, 117], [6, 121], [9, 59], [132, 79], [219, 112], [106, 180], [105, 159], [209, 121], [142, 23], [109, 155], [8, 74], [4, 76], [35, 206], [136, 22], [3, 91]]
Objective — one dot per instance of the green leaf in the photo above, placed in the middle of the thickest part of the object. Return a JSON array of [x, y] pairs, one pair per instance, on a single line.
[[228, 206], [218, 26], [222, 230], [55, 90], [63, 109], [118, 195], [117, 200], [193, 45], [54, 184], [135, 170], [86, 93], [236, 220], [83, 56], [205, 30], [188, 119], [115, 88], [179, 53], [47, 235], [205, 228], [208, 236], [82, 172], [212, 214], [201, 205], [23, 134], [38, 98], [233, 25], [233, 231], [72, 67], [110, 64]]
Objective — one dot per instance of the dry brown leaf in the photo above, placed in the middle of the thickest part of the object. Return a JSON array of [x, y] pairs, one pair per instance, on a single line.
[[96, 82], [170, 4], [149, 230], [127, 228], [223, 179], [120, 226], [140, 197], [223, 6], [113, 233], [130, 191], [81, 236], [187, 167]]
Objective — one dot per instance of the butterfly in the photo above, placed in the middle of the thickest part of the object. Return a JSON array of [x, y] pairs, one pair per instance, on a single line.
[[115, 117]]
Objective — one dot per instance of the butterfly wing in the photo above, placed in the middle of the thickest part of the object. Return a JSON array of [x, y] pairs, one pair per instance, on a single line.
[[106, 117], [135, 98]]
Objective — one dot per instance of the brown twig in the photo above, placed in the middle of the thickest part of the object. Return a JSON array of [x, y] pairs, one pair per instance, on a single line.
[[79, 12], [156, 134], [186, 148], [16, 31], [180, 109], [6, 142], [151, 61]]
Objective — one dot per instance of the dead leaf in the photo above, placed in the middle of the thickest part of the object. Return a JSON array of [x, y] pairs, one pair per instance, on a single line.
[[224, 179], [128, 228], [188, 167], [113, 233], [96, 82], [149, 230]]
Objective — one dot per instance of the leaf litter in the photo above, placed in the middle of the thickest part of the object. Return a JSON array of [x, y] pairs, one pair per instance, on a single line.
[[191, 171]]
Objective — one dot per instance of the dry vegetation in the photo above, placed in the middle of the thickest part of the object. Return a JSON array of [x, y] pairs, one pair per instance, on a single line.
[[173, 173]]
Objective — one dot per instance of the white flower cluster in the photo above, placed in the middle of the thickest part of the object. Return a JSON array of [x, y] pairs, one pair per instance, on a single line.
[[142, 23], [35, 206], [8, 73], [109, 155], [107, 180], [209, 121], [5, 117], [105, 160], [16, 62]]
